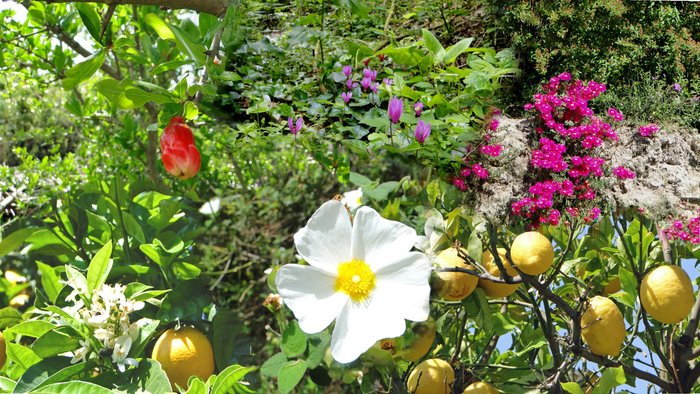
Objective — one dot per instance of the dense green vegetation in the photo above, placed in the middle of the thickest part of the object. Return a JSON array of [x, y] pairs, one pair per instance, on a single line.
[[120, 221]]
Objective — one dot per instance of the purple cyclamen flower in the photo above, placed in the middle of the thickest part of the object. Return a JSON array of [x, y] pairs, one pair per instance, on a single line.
[[350, 84], [365, 83], [346, 96], [373, 87], [370, 74], [422, 131], [347, 70], [677, 87], [294, 128], [395, 109], [418, 107], [388, 81]]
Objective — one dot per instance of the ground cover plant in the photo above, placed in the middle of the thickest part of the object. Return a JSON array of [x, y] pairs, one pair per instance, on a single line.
[[348, 196]]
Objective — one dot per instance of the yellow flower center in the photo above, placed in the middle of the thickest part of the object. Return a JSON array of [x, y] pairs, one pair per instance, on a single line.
[[355, 279]]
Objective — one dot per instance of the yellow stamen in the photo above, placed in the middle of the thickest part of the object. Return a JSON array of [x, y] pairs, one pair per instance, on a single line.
[[355, 279]]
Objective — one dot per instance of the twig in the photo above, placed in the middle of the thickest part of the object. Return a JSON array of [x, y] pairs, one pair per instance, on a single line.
[[629, 370], [106, 19], [213, 54]]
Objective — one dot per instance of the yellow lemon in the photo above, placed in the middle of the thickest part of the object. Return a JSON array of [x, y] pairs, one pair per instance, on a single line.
[[612, 287], [455, 286], [3, 351], [667, 294], [603, 327], [183, 353], [19, 301], [532, 253], [493, 289], [14, 277], [432, 376], [423, 338], [480, 388]]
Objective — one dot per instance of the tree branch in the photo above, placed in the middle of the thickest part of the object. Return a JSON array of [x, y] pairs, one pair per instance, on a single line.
[[664, 385], [214, 7], [74, 45]]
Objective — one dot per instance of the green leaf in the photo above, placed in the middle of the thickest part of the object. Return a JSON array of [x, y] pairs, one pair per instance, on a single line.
[[17, 238], [572, 387], [290, 375], [21, 355], [57, 341], [229, 380], [76, 387], [359, 179], [31, 328], [160, 27], [99, 267], [271, 367], [50, 281], [191, 111], [611, 378], [188, 46], [148, 377], [431, 42], [91, 19], [318, 343], [77, 278], [47, 371], [146, 332], [293, 340], [9, 317], [186, 302], [457, 49], [7, 385], [229, 340], [82, 71]]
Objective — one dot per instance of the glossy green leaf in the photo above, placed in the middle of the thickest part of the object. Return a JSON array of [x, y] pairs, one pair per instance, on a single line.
[[50, 281], [76, 387], [91, 19], [48, 371], [229, 380], [99, 267], [15, 239], [82, 71]]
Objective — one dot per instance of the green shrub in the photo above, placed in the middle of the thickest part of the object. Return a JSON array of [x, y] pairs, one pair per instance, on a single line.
[[610, 41]]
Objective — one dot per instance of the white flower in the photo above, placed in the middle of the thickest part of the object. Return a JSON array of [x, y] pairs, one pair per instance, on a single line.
[[353, 199], [122, 345], [80, 353], [361, 275], [435, 229]]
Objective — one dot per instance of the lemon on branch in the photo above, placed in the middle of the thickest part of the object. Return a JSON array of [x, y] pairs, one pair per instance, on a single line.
[[455, 286], [603, 327], [493, 289], [423, 338], [432, 376], [183, 353], [667, 294], [480, 388], [532, 253]]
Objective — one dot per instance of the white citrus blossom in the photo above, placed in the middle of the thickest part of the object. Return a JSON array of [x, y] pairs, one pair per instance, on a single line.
[[122, 345], [353, 199], [435, 229], [361, 274]]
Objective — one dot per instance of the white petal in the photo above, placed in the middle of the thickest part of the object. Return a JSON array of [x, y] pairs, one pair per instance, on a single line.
[[325, 241], [376, 240], [405, 285], [360, 325], [310, 294]]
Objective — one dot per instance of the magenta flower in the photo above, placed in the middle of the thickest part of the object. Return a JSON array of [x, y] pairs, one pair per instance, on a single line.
[[422, 131], [491, 150], [395, 109], [346, 96], [347, 70], [295, 127], [616, 114], [350, 84], [648, 130], [623, 173], [418, 108], [677, 87], [369, 74], [365, 83], [388, 81]]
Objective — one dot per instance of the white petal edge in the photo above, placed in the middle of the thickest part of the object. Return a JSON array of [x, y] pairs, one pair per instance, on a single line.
[[310, 294], [325, 241], [376, 240], [405, 283], [360, 325]]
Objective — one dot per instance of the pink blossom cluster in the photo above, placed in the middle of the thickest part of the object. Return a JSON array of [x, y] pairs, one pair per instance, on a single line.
[[623, 173], [565, 166], [648, 130], [689, 231], [473, 171]]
